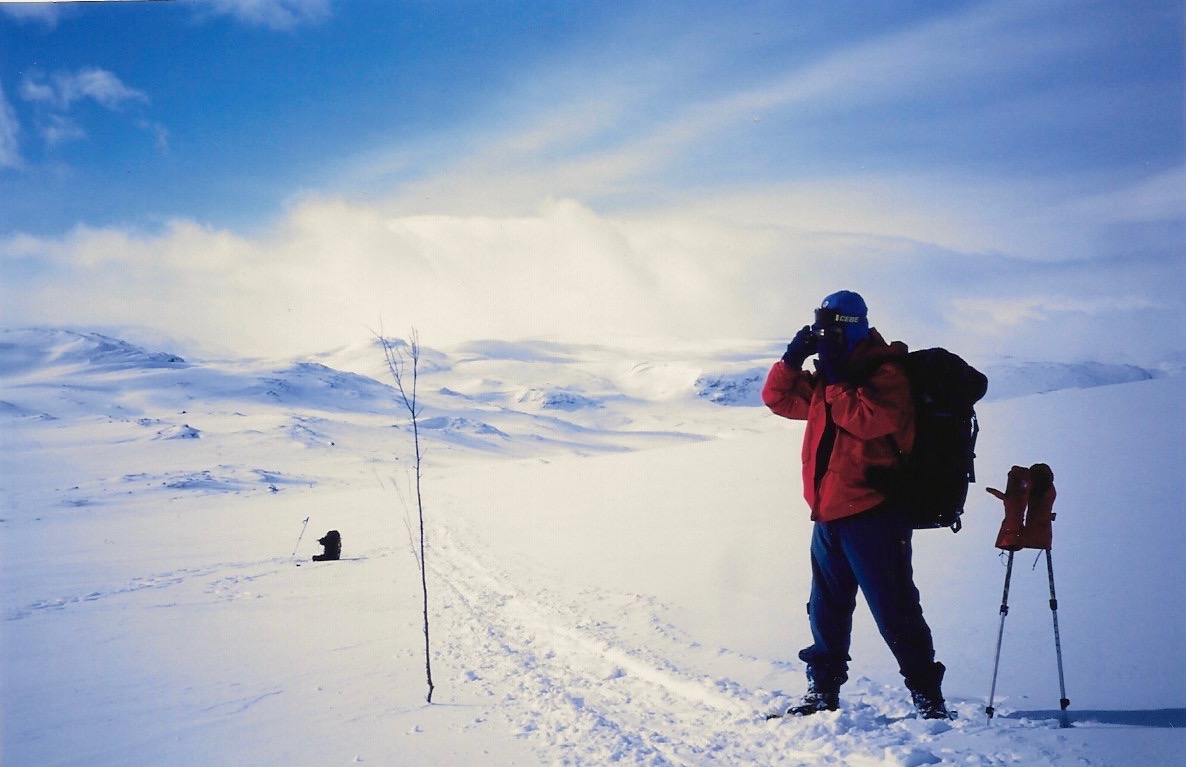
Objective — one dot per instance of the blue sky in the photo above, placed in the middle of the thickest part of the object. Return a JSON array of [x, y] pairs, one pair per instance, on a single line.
[[275, 176]]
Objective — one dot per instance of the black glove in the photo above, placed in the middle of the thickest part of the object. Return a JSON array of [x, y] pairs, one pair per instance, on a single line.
[[833, 358], [800, 348]]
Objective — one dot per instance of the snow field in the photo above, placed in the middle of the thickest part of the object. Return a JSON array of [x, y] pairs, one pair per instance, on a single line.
[[590, 604]]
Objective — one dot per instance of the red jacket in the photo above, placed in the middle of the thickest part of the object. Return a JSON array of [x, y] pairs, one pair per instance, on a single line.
[[874, 420]]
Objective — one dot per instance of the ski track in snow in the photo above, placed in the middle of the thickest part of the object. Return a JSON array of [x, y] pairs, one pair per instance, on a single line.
[[583, 694], [230, 585], [577, 690]]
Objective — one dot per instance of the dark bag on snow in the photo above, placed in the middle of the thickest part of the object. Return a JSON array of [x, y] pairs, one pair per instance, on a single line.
[[935, 475], [332, 541]]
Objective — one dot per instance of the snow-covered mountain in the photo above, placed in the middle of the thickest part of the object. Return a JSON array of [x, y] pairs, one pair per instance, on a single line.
[[1016, 378], [613, 581]]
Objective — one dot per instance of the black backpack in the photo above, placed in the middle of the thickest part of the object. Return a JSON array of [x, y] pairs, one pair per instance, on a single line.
[[935, 475]]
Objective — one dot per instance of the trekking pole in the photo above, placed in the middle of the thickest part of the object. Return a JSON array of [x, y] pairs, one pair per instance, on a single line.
[[996, 664], [1064, 703], [299, 537]]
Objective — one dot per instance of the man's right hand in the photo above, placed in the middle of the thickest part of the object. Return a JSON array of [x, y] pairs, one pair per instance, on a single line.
[[800, 348]]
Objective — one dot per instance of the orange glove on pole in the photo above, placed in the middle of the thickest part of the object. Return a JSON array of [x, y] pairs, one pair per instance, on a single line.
[[1038, 533], [1016, 497]]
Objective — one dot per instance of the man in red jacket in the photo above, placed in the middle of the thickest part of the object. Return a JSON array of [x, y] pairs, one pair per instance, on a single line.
[[860, 420]]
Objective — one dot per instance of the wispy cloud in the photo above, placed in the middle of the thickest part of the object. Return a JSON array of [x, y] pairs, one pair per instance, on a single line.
[[10, 153], [272, 14], [58, 95], [1157, 197], [44, 13], [1010, 314], [159, 133], [629, 136], [62, 89], [280, 15], [58, 129]]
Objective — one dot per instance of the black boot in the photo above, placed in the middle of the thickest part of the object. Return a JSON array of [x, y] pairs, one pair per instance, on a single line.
[[931, 705], [814, 702], [927, 695], [823, 691]]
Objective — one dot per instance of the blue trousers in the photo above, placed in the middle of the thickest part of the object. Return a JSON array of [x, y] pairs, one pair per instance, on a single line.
[[872, 552]]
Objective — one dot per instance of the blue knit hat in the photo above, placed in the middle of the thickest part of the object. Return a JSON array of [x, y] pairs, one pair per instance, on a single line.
[[848, 310]]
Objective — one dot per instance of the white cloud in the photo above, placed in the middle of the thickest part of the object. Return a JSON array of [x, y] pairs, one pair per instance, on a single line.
[[100, 85], [60, 128], [63, 89], [159, 133], [621, 138], [489, 239], [1158, 197], [1009, 314], [56, 97], [331, 271], [33, 90], [10, 128], [272, 14], [45, 13]]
